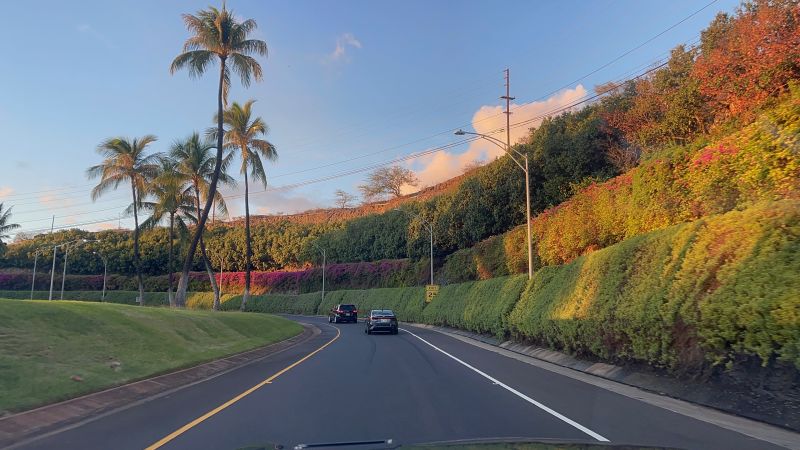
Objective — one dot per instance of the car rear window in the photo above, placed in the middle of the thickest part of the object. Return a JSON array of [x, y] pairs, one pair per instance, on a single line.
[[387, 312], [347, 307]]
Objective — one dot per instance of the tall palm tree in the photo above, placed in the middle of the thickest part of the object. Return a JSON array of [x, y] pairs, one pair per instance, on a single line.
[[125, 161], [242, 132], [5, 226], [196, 162], [216, 35], [172, 202]]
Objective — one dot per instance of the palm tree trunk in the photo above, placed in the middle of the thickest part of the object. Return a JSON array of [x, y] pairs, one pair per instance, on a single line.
[[210, 271], [183, 284], [206, 262], [136, 263], [169, 260], [249, 252]]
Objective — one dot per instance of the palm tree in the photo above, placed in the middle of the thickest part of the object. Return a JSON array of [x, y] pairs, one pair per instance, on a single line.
[[124, 161], [242, 133], [216, 34], [5, 226], [172, 202], [196, 163]]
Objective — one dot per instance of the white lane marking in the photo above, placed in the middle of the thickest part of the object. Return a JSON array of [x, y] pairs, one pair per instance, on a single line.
[[516, 392]]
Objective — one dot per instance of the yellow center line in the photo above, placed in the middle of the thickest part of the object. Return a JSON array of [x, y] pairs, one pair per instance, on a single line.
[[192, 424]]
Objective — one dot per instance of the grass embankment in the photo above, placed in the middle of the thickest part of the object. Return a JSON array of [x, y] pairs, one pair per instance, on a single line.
[[44, 344]]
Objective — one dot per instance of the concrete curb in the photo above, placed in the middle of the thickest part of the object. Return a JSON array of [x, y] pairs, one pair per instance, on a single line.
[[33, 423], [695, 392]]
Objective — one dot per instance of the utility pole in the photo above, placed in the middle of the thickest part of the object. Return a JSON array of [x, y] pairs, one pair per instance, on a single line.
[[52, 224], [507, 112]]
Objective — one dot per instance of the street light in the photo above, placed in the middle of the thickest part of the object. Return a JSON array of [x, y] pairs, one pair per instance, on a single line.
[[524, 166], [105, 273], [322, 250], [53, 270], [35, 258], [430, 229]]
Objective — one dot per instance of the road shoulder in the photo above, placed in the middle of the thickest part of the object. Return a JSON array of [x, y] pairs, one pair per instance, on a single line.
[[18, 428], [752, 428]]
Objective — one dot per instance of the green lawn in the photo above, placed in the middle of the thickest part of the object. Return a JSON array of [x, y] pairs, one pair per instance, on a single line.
[[44, 344]]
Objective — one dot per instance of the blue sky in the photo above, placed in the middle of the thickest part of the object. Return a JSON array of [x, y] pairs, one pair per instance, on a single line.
[[343, 79]]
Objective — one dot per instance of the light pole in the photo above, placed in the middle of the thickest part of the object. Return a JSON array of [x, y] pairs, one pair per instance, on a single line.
[[105, 274], [53, 270], [430, 229], [524, 166], [35, 260], [322, 250]]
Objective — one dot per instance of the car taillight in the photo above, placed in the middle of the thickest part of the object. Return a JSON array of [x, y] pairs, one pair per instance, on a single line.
[[355, 310]]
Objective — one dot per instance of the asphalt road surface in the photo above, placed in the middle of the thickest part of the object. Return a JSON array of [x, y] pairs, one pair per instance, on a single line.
[[418, 386]]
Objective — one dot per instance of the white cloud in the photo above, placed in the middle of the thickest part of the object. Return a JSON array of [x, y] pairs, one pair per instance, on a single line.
[[270, 202], [89, 31], [5, 191], [440, 166], [340, 52]]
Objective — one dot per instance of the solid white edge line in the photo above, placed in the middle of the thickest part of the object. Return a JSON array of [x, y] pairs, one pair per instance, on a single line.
[[517, 393]]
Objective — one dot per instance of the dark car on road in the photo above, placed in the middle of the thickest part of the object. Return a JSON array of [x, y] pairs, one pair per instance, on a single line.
[[381, 320], [343, 313]]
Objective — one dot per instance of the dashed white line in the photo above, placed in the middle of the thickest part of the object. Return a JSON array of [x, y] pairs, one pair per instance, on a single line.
[[519, 394]]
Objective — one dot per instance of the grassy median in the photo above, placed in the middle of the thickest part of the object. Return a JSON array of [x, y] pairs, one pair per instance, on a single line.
[[51, 351]]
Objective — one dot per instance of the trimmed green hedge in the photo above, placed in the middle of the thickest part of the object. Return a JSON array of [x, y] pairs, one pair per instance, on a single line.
[[407, 303], [693, 294], [480, 306], [275, 303], [123, 297], [194, 300]]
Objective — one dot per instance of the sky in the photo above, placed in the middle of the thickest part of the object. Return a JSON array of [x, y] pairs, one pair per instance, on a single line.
[[347, 85]]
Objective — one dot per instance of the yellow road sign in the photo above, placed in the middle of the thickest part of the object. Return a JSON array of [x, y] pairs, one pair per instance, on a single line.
[[430, 291]]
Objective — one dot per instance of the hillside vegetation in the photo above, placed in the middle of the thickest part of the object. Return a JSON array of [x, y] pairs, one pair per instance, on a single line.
[[688, 298], [45, 345]]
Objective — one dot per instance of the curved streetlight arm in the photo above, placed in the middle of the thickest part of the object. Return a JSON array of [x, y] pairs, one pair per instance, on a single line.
[[500, 144]]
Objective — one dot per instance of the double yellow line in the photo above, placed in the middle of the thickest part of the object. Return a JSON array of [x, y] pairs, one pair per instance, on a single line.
[[195, 422]]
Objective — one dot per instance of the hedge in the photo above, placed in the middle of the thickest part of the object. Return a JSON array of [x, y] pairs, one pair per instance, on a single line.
[[699, 293], [275, 303], [194, 300], [124, 297], [480, 306], [407, 303]]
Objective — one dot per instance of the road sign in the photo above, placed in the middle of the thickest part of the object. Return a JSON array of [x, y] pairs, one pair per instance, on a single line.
[[430, 291]]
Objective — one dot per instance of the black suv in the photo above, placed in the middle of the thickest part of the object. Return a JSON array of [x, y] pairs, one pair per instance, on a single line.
[[343, 313]]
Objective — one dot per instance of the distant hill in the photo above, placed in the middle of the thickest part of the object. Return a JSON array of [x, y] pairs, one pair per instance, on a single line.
[[326, 215]]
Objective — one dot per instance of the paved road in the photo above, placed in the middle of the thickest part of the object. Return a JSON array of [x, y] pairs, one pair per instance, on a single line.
[[418, 386]]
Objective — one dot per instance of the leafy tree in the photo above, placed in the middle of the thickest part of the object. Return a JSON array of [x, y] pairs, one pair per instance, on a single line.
[[242, 133], [216, 35], [172, 202], [387, 181], [666, 108], [125, 161], [197, 163], [343, 199], [750, 57]]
